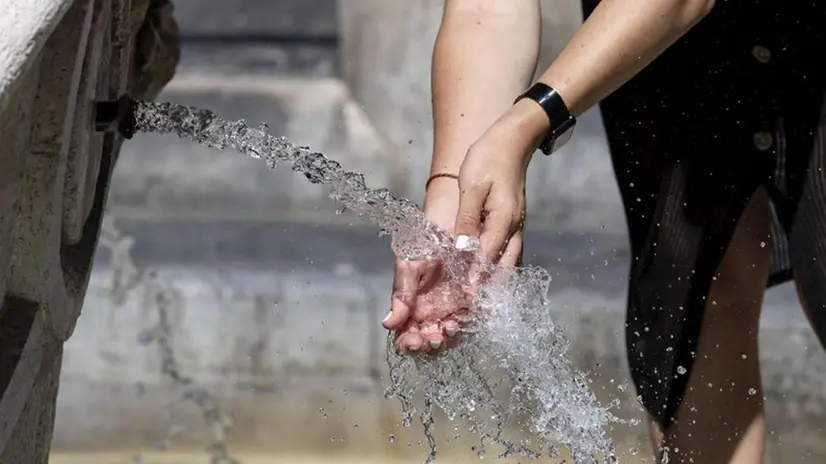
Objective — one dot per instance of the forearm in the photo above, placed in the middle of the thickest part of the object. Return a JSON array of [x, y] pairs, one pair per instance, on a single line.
[[485, 56], [617, 41]]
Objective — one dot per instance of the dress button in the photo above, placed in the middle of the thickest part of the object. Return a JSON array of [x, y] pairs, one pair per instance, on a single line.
[[763, 141], [762, 54]]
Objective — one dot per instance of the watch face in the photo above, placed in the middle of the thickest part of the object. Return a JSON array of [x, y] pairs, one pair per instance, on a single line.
[[564, 137], [566, 130]]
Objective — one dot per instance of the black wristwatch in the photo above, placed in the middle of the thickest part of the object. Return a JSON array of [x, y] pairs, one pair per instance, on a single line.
[[562, 121]]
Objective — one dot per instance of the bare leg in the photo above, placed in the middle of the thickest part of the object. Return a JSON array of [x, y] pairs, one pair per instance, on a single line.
[[721, 419]]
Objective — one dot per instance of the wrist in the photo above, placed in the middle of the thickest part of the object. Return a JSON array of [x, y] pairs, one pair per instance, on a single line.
[[441, 202], [441, 188], [531, 119], [527, 121]]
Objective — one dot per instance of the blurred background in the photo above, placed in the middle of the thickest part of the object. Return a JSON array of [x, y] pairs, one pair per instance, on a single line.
[[233, 315]]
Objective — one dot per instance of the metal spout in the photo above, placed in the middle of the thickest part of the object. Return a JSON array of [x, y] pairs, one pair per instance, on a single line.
[[116, 116]]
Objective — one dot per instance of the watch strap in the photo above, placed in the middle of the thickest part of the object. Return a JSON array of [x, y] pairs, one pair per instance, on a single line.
[[561, 119]]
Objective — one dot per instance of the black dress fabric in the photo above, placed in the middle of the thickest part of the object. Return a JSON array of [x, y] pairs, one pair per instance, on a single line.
[[734, 105]]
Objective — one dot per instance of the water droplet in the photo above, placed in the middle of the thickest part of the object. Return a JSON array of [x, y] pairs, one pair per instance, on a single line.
[[752, 391], [681, 370], [146, 337], [391, 438]]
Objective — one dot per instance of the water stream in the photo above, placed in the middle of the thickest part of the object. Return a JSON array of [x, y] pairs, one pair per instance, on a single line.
[[511, 369]]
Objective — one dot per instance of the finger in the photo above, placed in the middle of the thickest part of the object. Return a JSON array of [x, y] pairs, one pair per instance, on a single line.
[[498, 229], [472, 198], [512, 256], [409, 340], [432, 334], [405, 286], [429, 275], [410, 343], [450, 327]]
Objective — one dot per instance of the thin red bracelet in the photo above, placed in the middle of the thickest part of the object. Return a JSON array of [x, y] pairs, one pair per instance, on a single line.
[[436, 176]]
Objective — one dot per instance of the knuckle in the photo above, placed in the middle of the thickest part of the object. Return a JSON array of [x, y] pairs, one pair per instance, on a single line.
[[470, 184], [466, 218], [474, 149], [516, 220]]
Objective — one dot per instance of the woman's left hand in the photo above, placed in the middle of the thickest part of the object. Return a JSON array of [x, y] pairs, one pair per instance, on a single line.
[[492, 183]]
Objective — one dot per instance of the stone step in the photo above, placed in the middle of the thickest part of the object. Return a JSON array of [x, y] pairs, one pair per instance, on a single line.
[[279, 319], [298, 19], [216, 56], [166, 176]]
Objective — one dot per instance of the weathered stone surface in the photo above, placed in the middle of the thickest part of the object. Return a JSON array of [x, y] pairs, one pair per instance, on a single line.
[[25, 25], [24, 344], [33, 435], [35, 276], [311, 19], [36, 272], [15, 125], [85, 150], [53, 70]]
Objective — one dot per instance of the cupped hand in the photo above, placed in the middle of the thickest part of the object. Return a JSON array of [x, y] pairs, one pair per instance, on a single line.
[[488, 203], [426, 302]]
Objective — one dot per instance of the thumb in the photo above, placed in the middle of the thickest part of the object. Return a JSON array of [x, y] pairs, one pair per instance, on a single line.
[[405, 287], [469, 216]]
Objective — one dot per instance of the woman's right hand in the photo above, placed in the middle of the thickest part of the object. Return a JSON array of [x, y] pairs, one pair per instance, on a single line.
[[424, 302]]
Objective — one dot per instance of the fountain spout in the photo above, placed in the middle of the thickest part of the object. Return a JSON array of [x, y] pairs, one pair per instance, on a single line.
[[116, 116]]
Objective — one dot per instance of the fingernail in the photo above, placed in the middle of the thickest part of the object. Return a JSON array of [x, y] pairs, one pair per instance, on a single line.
[[387, 317], [451, 331], [435, 345], [463, 242]]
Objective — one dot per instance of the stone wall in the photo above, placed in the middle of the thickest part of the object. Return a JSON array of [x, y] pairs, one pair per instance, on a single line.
[[57, 58]]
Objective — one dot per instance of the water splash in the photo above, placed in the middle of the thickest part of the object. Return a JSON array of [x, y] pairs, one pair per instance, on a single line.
[[127, 278], [510, 370]]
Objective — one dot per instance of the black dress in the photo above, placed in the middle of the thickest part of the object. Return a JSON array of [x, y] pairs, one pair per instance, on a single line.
[[736, 104]]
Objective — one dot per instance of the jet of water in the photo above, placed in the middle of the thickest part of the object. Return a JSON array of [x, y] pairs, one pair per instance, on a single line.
[[512, 368]]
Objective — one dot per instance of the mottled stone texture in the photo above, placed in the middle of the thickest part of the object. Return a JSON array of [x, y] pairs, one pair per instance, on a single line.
[[299, 19], [55, 174]]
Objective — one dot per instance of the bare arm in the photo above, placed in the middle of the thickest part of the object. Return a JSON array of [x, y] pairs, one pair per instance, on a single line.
[[617, 41], [486, 53], [485, 56]]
